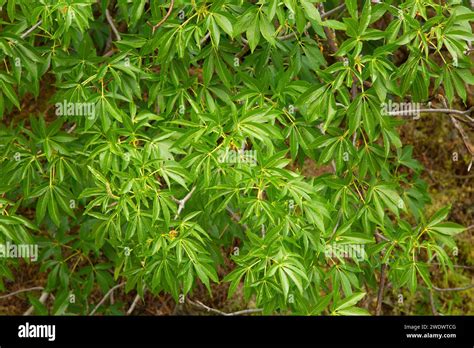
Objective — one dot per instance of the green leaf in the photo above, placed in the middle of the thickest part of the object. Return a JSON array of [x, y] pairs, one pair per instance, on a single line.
[[448, 228], [353, 311], [11, 9], [310, 10], [350, 301], [266, 29], [253, 33], [224, 23], [10, 93]]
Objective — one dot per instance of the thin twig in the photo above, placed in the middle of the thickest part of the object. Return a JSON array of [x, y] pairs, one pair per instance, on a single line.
[[236, 217], [157, 25], [70, 130], [42, 299], [109, 52], [205, 38], [431, 110], [455, 266], [381, 236], [182, 202], [293, 34], [209, 309], [454, 289], [383, 270], [244, 50], [334, 10], [106, 297], [464, 137], [134, 304], [29, 31], [432, 303], [21, 291], [112, 25], [330, 35]]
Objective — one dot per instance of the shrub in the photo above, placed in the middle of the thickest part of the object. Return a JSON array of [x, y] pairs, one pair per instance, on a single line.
[[150, 141]]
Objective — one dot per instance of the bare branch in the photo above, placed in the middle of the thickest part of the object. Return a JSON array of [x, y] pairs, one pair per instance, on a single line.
[[29, 31], [432, 110], [21, 291], [213, 310], [235, 216], [112, 25], [332, 11], [383, 270], [182, 202], [432, 303], [330, 35], [381, 236], [454, 289], [134, 304], [42, 299], [70, 130], [455, 266], [106, 297], [157, 25], [205, 38], [109, 52], [464, 137]]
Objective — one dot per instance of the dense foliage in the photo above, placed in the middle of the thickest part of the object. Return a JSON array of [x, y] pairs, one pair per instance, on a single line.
[[172, 135]]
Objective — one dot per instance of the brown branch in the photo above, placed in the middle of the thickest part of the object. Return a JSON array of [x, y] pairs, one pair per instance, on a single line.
[[464, 137], [21, 291], [381, 236], [29, 31], [330, 35], [235, 217], [455, 266], [106, 297], [213, 310], [432, 303], [44, 296], [157, 25], [453, 289], [432, 110], [383, 270], [112, 25], [134, 304], [204, 39], [182, 202]]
